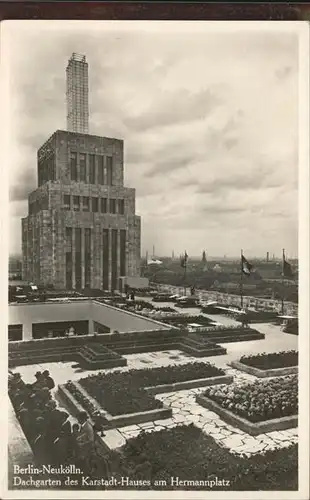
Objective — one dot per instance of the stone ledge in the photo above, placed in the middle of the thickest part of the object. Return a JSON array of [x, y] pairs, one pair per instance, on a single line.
[[19, 450], [254, 429], [272, 372], [190, 384]]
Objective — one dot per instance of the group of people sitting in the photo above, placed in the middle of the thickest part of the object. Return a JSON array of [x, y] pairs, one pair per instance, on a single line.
[[54, 437]]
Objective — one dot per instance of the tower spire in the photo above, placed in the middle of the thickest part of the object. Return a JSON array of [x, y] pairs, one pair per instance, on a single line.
[[77, 94]]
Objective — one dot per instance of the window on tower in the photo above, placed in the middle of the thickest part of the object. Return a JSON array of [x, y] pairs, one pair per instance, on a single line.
[[100, 170], [104, 205], [82, 168], [112, 206], [76, 203], [67, 202], [85, 204], [73, 167], [121, 207], [94, 204], [92, 169], [109, 170]]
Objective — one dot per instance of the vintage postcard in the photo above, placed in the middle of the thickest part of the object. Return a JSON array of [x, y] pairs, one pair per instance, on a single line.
[[155, 341]]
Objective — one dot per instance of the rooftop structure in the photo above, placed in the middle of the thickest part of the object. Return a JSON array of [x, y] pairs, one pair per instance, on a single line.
[[82, 230], [77, 94]]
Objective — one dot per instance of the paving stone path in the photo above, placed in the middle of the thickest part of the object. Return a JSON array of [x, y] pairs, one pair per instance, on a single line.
[[186, 411]]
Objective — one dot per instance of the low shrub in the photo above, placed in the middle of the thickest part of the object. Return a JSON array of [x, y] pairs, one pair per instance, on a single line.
[[166, 309], [183, 319], [267, 361], [117, 398], [259, 401], [186, 452]]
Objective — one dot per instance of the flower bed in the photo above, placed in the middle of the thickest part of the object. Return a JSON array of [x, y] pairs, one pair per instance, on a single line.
[[259, 401], [117, 397], [77, 398], [273, 360], [166, 309], [183, 319], [120, 393], [185, 452]]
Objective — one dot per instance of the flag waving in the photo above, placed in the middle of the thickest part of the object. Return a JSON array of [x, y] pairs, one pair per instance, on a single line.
[[246, 267], [184, 260], [287, 271]]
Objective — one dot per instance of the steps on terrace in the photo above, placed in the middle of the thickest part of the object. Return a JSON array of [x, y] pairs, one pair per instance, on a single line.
[[146, 345], [199, 346], [222, 336], [96, 356]]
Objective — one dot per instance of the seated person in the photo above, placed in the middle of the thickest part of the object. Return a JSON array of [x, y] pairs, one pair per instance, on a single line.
[[48, 379], [86, 435], [40, 397], [16, 382], [55, 419], [39, 382], [73, 448], [100, 422]]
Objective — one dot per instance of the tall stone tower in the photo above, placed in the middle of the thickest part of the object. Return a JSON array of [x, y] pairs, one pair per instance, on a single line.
[[77, 94], [82, 230]]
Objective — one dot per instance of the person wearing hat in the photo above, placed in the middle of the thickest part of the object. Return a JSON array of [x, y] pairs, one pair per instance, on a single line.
[[16, 382], [73, 448], [55, 421], [39, 382], [39, 441], [100, 422], [48, 379], [85, 441]]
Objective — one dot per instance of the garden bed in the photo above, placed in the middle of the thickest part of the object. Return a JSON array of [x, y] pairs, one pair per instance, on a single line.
[[268, 365], [276, 424], [77, 399], [259, 407], [268, 361], [274, 372], [184, 320], [185, 452], [132, 392]]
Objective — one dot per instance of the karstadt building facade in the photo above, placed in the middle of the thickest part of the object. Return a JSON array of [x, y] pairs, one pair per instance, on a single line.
[[82, 230]]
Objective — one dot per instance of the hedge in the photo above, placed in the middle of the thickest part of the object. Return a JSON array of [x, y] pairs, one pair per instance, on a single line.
[[186, 452]]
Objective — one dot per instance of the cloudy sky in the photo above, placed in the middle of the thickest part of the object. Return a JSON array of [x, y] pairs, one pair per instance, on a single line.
[[209, 118]]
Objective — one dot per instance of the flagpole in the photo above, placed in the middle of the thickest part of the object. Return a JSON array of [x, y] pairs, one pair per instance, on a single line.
[[185, 264], [282, 299], [241, 281]]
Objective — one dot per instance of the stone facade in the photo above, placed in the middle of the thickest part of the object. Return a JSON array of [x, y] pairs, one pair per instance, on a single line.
[[75, 170]]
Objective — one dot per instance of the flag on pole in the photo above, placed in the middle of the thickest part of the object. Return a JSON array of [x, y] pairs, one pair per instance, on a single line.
[[184, 259], [287, 269], [246, 267]]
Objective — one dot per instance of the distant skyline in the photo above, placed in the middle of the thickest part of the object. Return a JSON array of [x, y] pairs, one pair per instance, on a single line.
[[209, 120]]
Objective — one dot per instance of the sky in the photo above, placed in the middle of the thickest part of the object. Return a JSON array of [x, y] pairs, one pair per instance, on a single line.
[[209, 119]]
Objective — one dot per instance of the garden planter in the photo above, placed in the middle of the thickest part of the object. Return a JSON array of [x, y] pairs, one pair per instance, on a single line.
[[273, 372], [118, 420], [254, 429]]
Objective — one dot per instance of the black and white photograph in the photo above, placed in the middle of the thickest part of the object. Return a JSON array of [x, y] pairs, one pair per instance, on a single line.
[[157, 177]]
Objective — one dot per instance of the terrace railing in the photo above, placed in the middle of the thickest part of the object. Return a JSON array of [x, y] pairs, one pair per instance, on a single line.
[[234, 300]]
